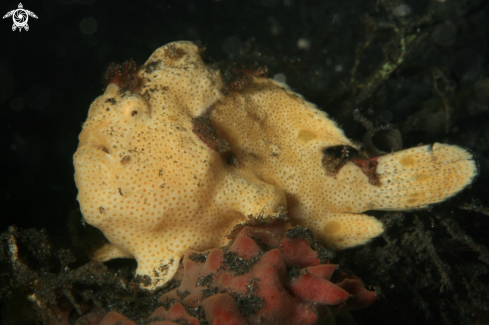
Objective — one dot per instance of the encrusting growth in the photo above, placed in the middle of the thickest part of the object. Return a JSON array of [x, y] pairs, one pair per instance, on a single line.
[[263, 277], [151, 184]]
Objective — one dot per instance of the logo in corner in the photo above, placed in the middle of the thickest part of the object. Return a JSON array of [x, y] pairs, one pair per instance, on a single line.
[[20, 17]]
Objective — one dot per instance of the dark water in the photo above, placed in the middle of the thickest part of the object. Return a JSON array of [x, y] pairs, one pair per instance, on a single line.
[[50, 74]]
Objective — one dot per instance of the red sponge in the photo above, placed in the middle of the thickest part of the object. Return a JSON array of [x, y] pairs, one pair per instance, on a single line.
[[263, 277]]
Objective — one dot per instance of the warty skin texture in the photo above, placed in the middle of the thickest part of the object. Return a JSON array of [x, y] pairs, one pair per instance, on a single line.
[[156, 189]]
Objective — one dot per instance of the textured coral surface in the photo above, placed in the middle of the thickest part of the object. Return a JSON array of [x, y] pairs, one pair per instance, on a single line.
[[177, 163], [262, 277]]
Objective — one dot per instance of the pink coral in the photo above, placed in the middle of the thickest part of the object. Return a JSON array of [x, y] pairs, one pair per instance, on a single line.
[[265, 276]]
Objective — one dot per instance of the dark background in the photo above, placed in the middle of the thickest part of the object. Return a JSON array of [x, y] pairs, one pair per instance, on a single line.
[[50, 74]]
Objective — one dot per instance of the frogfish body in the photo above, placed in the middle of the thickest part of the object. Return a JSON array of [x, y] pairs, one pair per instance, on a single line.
[[178, 164]]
